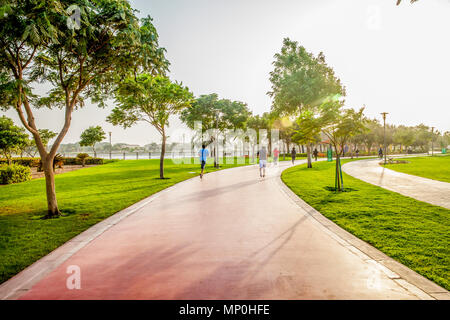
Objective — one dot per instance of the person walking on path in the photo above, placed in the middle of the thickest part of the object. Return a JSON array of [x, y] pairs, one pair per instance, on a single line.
[[357, 153], [203, 154], [262, 154], [380, 153], [276, 153], [293, 153], [315, 153]]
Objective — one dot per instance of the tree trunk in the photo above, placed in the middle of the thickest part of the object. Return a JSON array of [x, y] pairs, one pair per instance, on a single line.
[[288, 148], [8, 158], [161, 159], [308, 153], [52, 204], [338, 176]]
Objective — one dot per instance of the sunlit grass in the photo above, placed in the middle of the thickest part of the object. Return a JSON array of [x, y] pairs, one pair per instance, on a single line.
[[414, 233], [437, 167], [86, 197]]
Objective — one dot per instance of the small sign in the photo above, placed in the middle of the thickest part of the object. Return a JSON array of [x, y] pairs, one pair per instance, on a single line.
[[444, 150], [330, 155]]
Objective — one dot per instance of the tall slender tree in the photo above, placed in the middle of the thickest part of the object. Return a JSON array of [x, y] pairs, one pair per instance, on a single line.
[[91, 136], [301, 82], [152, 100], [339, 125]]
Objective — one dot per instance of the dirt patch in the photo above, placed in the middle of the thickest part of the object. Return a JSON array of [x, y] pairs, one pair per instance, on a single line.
[[391, 161]]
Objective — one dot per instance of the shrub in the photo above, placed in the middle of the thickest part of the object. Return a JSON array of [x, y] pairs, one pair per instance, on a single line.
[[14, 174], [81, 157]]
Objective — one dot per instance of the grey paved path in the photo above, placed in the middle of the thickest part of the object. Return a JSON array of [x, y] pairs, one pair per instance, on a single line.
[[423, 189]]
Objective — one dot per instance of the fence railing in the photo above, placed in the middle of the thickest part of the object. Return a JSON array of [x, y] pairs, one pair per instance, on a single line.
[[150, 155]]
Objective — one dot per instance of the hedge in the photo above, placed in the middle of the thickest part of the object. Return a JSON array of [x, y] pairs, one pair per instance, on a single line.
[[27, 162], [77, 161], [14, 174], [34, 162]]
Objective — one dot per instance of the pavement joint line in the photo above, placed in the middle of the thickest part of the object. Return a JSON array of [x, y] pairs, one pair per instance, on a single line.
[[412, 280]]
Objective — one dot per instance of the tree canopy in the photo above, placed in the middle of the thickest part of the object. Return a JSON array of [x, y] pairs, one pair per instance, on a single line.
[[301, 80], [80, 60], [91, 136], [11, 137], [152, 100]]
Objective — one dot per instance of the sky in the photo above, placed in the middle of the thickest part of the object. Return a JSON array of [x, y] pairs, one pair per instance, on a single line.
[[390, 58]]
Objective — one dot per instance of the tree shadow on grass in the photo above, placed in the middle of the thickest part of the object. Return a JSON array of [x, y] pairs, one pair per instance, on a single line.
[[333, 189]]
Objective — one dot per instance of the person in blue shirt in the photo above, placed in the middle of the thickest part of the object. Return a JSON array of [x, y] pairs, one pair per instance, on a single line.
[[203, 154]]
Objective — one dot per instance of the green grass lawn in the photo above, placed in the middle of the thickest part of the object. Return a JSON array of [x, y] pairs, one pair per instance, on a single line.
[[414, 233], [85, 196], [437, 167]]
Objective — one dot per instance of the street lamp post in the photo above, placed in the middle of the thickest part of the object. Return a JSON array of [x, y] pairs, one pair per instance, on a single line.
[[216, 145], [384, 137], [432, 141], [110, 145]]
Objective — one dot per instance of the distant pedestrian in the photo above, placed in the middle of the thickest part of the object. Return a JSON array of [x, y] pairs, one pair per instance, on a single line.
[[262, 153], [357, 153], [293, 154], [315, 153], [380, 153], [203, 154], [276, 153]]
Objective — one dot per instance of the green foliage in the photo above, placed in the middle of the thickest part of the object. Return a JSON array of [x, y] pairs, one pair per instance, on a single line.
[[212, 111], [150, 99], [46, 135], [339, 124], [14, 174], [82, 156], [91, 136], [28, 162], [301, 80], [308, 128], [412, 232], [11, 136]]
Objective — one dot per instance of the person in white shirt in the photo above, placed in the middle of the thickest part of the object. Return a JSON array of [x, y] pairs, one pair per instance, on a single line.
[[262, 153]]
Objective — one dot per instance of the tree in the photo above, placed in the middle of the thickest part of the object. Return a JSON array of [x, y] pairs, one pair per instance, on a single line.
[[369, 137], [339, 125], [307, 130], [422, 137], [86, 61], [91, 136], [286, 131], [213, 112], [301, 82], [11, 137], [444, 140], [46, 135], [150, 99]]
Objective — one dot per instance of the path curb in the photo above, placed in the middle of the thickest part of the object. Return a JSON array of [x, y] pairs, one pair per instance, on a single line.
[[405, 277], [14, 287]]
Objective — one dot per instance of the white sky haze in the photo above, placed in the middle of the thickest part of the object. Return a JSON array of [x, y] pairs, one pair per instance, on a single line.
[[393, 59]]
